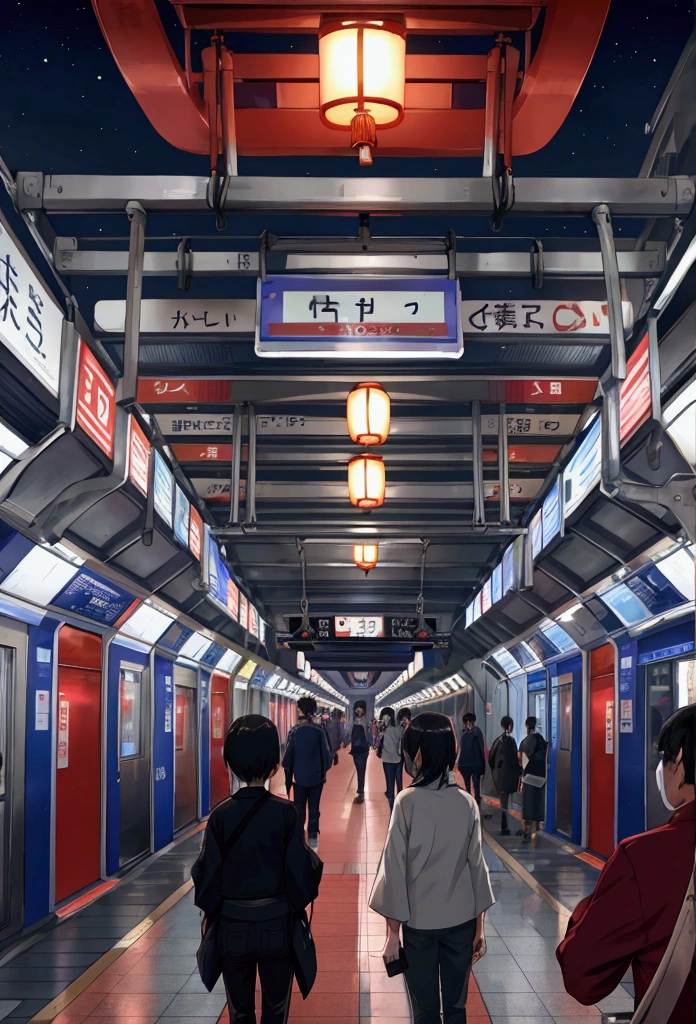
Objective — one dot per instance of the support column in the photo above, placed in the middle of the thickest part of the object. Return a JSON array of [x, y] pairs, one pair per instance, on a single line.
[[134, 291]]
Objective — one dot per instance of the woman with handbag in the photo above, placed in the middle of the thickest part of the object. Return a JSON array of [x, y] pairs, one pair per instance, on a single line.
[[533, 763], [253, 879], [389, 749], [432, 881]]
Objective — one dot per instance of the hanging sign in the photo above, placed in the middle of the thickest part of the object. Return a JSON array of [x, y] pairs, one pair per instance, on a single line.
[[203, 452], [194, 424], [609, 728], [164, 489], [176, 391], [138, 457], [542, 317], [63, 732], [31, 322], [233, 599], [253, 617], [96, 401], [354, 318], [195, 537], [181, 516], [549, 392], [243, 611], [184, 316], [634, 396]]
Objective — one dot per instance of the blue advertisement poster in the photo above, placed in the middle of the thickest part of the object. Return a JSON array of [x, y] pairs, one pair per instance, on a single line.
[[181, 516], [551, 514], [218, 575], [584, 469], [508, 569], [654, 590], [164, 489], [175, 637], [213, 655], [95, 598]]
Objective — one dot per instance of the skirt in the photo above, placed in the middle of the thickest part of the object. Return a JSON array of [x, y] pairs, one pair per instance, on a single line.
[[533, 802]]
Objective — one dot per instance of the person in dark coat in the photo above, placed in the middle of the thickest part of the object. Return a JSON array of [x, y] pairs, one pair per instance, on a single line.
[[267, 875], [532, 755], [471, 760], [505, 768], [360, 743], [306, 761], [334, 732], [628, 921]]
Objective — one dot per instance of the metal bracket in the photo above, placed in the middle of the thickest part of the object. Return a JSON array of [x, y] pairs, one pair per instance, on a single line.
[[451, 243], [479, 506], [601, 215], [503, 466], [149, 525], [184, 265], [678, 495], [235, 474], [250, 505], [536, 260], [134, 294]]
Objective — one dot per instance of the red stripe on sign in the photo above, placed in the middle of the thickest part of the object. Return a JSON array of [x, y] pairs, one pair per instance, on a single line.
[[635, 397], [360, 331], [203, 452], [543, 392], [535, 453], [96, 401], [174, 391]]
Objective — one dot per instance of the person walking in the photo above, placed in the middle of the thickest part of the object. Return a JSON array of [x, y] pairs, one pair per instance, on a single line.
[[432, 882], [532, 755], [334, 732], [472, 756], [360, 743], [389, 750], [505, 768], [403, 719], [306, 761], [254, 887]]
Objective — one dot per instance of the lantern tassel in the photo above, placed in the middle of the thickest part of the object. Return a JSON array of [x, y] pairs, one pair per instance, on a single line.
[[363, 136]]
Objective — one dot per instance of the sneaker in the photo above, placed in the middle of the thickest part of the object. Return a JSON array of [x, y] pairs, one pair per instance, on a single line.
[[360, 798], [505, 832], [313, 842]]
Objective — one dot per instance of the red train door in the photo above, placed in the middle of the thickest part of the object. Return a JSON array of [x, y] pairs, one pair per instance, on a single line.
[[219, 724], [602, 740], [78, 761]]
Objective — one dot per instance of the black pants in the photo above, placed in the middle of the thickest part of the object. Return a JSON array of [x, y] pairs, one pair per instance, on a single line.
[[247, 946], [504, 806], [439, 964], [392, 774], [468, 774], [360, 758], [307, 798]]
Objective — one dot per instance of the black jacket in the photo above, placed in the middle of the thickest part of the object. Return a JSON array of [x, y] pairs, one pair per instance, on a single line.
[[270, 857], [504, 764], [307, 756]]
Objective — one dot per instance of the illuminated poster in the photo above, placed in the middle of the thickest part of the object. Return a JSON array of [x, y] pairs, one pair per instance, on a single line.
[[95, 408], [634, 397], [181, 516], [62, 759], [195, 532], [253, 621], [164, 489], [233, 599], [609, 730], [138, 457], [243, 611]]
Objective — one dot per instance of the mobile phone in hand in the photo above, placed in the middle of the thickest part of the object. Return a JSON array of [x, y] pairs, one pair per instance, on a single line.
[[397, 966]]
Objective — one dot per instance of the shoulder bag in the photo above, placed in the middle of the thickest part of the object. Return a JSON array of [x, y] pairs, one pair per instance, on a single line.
[[208, 955], [303, 952], [658, 1003]]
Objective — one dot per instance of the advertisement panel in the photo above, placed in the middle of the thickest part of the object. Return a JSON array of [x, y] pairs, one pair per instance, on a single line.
[[175, 390], [94, 597], [635, 397], [551, 514], [243, 611], [195, 532], [164, 489], [584, 469], [138, 457], [544, 316], [181, 516], [233, 599], [96, 401]]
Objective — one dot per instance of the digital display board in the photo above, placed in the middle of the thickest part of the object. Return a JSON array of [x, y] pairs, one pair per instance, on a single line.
[[497, 584], [624, 604], [95, 598], [164, 489], [551, 514], [584, 469], [218, 574], [181, 516], [359, 626], [536, 531], [469, 615], [508, 569], [486, 597], [654, 590]]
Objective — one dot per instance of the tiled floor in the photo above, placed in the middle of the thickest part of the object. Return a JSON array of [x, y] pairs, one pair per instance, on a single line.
[[154, 978]]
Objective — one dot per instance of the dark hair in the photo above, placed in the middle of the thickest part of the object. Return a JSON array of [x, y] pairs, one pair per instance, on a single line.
[[307, 706], [469, 716], [506, 722], [531, 722], [360, 704], [678, 734], [252, 748], [433, 735], [390, 712], [403, 713]]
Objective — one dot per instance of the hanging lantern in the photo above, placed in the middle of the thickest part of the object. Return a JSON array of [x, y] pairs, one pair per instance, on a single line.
[[365, 556], [362, 78], [366, 481], [368, 414]]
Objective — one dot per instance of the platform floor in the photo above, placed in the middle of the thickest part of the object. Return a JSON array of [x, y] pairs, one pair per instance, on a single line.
[[130, 956]]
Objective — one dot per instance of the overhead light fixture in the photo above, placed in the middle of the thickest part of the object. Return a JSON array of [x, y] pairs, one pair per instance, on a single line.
[[366, 481], [368, 412], [365, 556], [362, 78]]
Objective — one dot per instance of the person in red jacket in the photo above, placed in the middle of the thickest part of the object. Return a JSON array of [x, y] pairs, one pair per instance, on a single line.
[[629, 919]]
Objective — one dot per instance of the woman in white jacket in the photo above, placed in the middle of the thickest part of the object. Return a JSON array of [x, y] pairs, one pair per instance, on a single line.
[[432, 882]]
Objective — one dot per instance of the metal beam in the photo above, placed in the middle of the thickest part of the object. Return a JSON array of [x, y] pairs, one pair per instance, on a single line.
[[134, 293], [627, 197], [71, 261], [524, 489], [449, 528]]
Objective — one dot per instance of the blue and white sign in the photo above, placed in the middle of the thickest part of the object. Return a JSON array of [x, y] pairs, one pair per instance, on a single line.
[[164, 489], [551, 514], [666, 652], [218, 574], [95, 598], [508, 569], [584, 469], [182, 514], [358, 318], [31, 322]]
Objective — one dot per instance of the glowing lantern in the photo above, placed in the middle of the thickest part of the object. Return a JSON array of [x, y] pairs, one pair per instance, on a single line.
[[365, 556], [368, 413], [362, 76], [366, 481]]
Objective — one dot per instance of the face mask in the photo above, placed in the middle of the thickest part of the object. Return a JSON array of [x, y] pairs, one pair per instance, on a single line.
[[660, 779]]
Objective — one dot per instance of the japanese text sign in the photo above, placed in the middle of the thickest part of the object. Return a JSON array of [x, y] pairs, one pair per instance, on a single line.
[[96, 401], [181, 316], [31, 322], [161, 389], [635, 398], [138, 457], [349, 317], [541, 317]]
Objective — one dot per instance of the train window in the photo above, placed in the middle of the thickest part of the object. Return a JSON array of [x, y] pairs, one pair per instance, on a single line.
[[565, 694], [131, 710], [660, 705]]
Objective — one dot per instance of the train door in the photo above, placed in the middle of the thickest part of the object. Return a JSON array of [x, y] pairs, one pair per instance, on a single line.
[[562, 711], [78, 762], [670, 685], [134, 762], [13, 649], [601, 751], [219, 724], [185, 746]]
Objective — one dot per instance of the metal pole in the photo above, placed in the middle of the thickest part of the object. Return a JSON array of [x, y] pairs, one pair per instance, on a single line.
[[134, 290], [479, 510], [492, 113], [611, 446], [251, 470], [654, 368], [601, 215], [235, 475], [503, 467], [229, 132]]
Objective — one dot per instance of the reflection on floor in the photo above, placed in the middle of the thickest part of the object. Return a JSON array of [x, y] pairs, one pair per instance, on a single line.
[[153, 978]]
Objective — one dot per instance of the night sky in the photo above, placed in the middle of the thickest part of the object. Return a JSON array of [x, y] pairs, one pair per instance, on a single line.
[[65, 108]]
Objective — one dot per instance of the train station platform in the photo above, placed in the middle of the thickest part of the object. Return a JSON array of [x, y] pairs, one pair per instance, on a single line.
[[129, 956]]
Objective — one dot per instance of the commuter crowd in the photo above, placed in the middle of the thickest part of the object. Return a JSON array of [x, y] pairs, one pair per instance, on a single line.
[[258, 870]]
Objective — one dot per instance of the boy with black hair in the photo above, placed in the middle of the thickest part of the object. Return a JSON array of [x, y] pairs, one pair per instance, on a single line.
[[306, 761], [505, 767], [472, 755], [629, 919], [360, 743]]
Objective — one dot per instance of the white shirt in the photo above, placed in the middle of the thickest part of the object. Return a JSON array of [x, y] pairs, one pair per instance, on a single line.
[[432, 873]]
